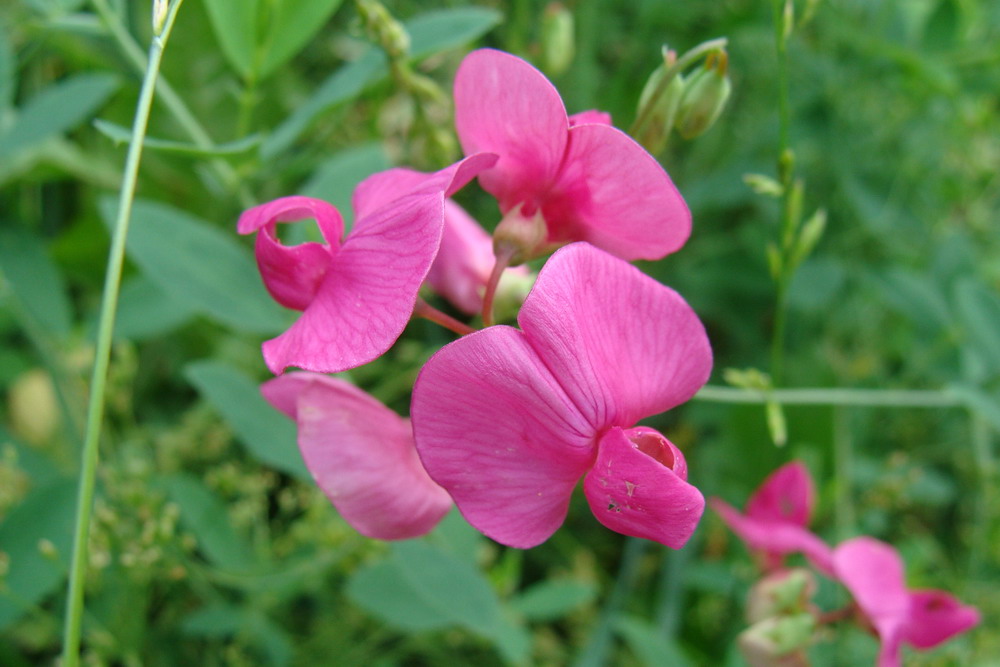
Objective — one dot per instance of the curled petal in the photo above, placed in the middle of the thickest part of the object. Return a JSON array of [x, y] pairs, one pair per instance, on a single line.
[[638, 487], [496, 430], [361, 455], [786, 495], [622, 345], [936, 616], [291, 209]]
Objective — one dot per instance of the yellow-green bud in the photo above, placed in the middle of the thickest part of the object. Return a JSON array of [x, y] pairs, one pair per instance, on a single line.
[[784, 592], [778, 642], [705, 95], [34, 412], [658, 106], [558, 40]]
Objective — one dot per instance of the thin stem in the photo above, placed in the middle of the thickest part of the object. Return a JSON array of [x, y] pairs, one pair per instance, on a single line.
[[109, 303], [898, 398], [429, 312], [503, 256]]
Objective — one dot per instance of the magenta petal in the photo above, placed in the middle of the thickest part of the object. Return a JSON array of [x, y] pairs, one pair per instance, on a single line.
[[634, 488], [615, 195], [291, 274], [786, 495], [504, 105], [361, 455], [624, 346], [369, 291], [591, 116], [291, 209], [495, 428], [936, 616], [463, 262]]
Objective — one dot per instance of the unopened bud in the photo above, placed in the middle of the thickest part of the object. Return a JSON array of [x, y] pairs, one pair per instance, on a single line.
[[658, 105], [558, 39], [386, 30], [521, 237], [34, 412], [705, 95], [784, 592], [159, 15], [778, 642], [810, 234]]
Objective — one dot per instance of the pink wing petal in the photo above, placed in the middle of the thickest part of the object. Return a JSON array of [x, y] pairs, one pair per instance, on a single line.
[[464, 261], [290, 209], [361, 455], [495, 429], [638, 487], [505, 106], [873, 572], [936, 616], [786, 495], [622, 345], [369, 291], [615, 195], [591, 116]]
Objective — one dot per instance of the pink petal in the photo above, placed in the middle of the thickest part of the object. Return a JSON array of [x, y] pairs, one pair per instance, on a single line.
[[786, 495], [591, 116], [936, 616], [504, 105], [622, 345], [368, 293], [873, 572], [638, 487], [361, 455], [463, 262], [615, 195], [495, 428], [385, 186], [290, 209]]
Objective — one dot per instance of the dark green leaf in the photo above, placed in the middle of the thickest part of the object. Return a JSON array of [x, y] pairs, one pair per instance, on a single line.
[[292, 24], [649, 644], [985, 405], [56, 7], [443, 29], [335, 178], [383, 590], [123, 135], [58, 108], [235, 25], [199, 265], [223, 620], [8, 74], [266, 433], [35, 281], [553, 599], [979, 313], [145, 311], [917, 296]]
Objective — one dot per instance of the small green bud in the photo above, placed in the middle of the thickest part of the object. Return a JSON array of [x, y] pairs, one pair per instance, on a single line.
[[784, 592], [658, 105], [159, 15], [776, 424], [764, 185], [558, 41], [705, 95], [810, 234], [778, 642], [524, 237]]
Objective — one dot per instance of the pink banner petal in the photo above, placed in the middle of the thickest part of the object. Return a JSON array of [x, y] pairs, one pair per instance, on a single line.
[[634, 488], [786, 495]]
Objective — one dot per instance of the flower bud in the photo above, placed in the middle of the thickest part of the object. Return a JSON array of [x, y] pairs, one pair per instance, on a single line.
[[784, 592], [778, 641], [521, 236], [34, 411], [558, 45], [705, 95], [658, 105]]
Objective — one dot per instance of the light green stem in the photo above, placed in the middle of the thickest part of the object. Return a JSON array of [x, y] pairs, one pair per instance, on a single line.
[[109, 304], [898, 398]]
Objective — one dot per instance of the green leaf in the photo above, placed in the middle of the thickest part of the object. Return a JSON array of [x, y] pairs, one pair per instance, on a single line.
[[199, 265], [122, 135], [292, 24], [382, 590], [35, 281], [56, 7], [980, 402], [553, 599], [266, 433], [145, 311], [8, 74], [204, 514], [443, 29], [649, 644], [335, 178], [45, 517], [918, 296], [457, 537], [224, 620], [979, 313], [58, 108], [235, 25]]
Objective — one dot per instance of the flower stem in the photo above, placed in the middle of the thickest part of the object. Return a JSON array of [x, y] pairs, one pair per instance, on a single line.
[[429, 312], [109, 303], [503, 256], [896, 398]]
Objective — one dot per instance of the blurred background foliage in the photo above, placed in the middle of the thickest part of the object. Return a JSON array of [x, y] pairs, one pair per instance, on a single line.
[[211, 545]]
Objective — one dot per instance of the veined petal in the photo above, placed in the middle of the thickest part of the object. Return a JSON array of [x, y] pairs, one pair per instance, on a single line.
[[496, 430], [622, 345], [638, 486], [463, 262], [291, 209], [786, 495], [361, 455], [368, 293], [504, 105], [936, 616], [615, 195]]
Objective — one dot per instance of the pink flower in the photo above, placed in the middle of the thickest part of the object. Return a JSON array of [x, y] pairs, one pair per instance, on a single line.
[[777, 517], [509, 420], [589, 181], [361, 455], [873, 572], [356, 295]]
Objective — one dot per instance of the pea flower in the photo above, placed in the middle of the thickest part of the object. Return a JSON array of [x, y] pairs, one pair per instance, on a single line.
[[357, 294], [562, 178], [361, 455], [873, 572], [508, 420], [776, 518]]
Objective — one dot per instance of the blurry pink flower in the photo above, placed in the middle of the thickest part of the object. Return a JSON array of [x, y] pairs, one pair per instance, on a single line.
[[361, 455], [590, 181], [356, 295], [509, 420], [873, 572], [776, 519]]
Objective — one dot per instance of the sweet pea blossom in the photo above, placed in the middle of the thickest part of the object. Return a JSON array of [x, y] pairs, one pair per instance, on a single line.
[[357, 294], [561, 178], [873, 572], [776, 518], [508, 420], [361, 455]]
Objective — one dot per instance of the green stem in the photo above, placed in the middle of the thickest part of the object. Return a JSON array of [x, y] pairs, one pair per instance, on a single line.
[[897, 398], [109, 303]]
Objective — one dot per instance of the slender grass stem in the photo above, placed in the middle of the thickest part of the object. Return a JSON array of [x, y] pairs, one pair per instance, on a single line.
[[109, 303], [898, 398]]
